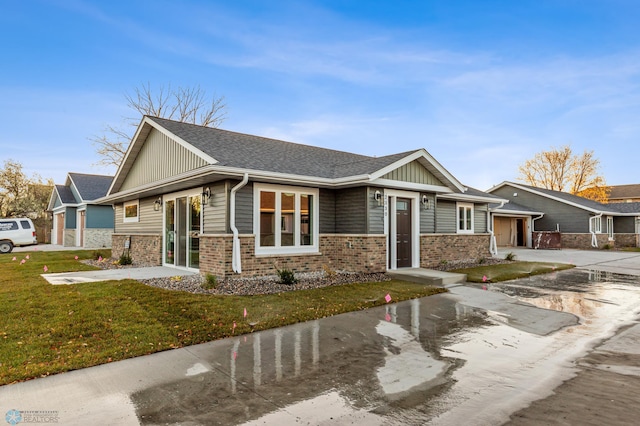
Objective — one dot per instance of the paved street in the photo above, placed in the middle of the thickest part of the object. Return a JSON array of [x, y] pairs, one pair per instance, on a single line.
[[473, 356]]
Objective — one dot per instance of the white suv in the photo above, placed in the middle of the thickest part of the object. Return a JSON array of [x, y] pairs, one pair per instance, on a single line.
[[16, 232]]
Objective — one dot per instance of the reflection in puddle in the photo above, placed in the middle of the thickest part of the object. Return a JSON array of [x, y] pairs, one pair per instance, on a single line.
[[471, 356]]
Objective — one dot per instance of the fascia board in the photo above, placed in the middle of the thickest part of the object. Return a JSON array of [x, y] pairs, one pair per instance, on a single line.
[[388, 183], [516, 212], [465, 197], [54, 194]]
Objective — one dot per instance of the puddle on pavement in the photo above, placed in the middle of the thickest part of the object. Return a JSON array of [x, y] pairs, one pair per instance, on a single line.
[[435, 360]]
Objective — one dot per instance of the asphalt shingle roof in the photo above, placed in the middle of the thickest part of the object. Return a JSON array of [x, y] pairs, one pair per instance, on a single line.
[[258, 153], [625, 207], [514, 207], [65, 194], [625, 191], [91, 187]]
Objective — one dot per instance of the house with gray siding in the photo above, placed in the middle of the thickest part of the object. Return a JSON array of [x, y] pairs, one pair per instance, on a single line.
[[77, 220], [580, 222], [234, 204]]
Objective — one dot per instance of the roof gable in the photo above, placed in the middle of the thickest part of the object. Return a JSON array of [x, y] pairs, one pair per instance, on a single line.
[[89, 187]]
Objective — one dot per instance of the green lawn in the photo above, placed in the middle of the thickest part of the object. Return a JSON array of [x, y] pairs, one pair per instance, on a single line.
[[510, 271], [49, 329]]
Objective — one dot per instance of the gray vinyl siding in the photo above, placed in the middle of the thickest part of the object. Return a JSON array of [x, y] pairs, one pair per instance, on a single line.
[[428, 217], [375, 223], [480, 218], [57, 202], [327, 211], [159, 158], [446, 217], [75, 192], [351, 211], [569, 219], [99, 217], [244, 207], [413, 172], [215, 214], [624, 225], [149, 220]]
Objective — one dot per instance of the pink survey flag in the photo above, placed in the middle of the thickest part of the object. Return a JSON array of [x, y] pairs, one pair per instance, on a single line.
[[234, 327], [27, 257], [45, 268], [100, 259], [245, 312], [387, 298], [76, 258], [22, 262], [484, 278], [14, 258]]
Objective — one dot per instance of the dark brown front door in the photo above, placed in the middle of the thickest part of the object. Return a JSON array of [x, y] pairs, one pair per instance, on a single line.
[[403, 233]]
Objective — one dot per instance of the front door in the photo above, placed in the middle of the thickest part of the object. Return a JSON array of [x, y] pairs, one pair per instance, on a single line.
[[182, 231], [403, 233]]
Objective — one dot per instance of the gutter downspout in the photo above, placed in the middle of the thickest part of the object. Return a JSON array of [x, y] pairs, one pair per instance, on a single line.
[[236, 262], [594, 239], [493, 244], [533, 229]]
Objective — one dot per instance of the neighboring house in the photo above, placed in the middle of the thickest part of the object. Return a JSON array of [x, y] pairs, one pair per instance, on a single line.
[[513, 224], [228, 203], [77, 220], [624, 193], [582, 223]]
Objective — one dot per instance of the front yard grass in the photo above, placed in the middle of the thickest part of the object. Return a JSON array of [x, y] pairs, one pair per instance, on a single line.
[[47, 329], [510, 271]]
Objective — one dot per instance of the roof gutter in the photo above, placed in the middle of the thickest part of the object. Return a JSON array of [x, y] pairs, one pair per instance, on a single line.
[[594, 239], [236, 262]]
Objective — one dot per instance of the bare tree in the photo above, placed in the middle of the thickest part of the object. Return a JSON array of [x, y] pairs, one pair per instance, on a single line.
[[561, 170], [186, 104]]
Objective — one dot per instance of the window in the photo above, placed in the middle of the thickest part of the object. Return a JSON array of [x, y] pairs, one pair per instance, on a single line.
[[25, 224], [610, 227], [131, 211], [464, 218], [285, 219], [8, 226], [596, 224]]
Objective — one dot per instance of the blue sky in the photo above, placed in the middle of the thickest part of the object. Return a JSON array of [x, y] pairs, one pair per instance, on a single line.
[[481, 85]]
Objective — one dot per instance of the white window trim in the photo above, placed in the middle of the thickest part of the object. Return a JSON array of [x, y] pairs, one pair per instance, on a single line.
[[595, 225], [126, 219], [610, 230], [278, 189], [471, 207]]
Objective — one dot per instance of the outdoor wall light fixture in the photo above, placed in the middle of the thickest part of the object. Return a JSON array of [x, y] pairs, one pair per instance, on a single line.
[[426, 202], [157, 204], [378, 197], [207, 196]]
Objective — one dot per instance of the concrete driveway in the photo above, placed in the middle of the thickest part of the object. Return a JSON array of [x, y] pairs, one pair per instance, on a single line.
[[472, 356]]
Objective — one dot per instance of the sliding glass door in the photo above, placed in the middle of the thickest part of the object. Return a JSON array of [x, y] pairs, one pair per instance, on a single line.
[[182, 228]]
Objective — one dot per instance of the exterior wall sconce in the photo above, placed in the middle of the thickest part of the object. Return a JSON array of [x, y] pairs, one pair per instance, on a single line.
[[206, 196], [378, 197], [157, 204], [426, 202]]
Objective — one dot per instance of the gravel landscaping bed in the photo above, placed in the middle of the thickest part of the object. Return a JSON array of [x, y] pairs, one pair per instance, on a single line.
[[271, 284], [244, 286]]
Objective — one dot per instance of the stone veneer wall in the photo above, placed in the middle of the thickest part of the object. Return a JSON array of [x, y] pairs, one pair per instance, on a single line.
[[146, 248], [627, 240], [435, 248], [583, 241], [352, 253], [69, 238], [97, 237]]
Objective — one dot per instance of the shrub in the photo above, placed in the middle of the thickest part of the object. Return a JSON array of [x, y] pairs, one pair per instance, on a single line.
[[328, 271], [510, 256], [210, 281], [482, 260], [606, 247], [286, 276], [125, 259]]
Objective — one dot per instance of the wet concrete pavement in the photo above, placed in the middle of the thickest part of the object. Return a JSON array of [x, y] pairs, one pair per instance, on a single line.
[[472, 356]]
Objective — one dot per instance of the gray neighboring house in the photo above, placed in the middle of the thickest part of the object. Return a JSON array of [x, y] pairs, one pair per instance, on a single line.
[[77, 220], [624, 193], [581, 223], [234, 204]]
